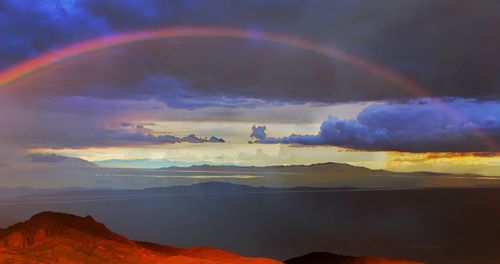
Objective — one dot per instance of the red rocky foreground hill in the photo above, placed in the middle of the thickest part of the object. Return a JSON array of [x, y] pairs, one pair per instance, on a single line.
[[51, 237]]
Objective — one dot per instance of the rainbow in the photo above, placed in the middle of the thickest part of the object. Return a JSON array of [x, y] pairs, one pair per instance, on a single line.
[[25, 68], [43, 61]]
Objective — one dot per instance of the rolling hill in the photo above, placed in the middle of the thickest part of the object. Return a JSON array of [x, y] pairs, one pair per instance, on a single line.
[[51, 237]]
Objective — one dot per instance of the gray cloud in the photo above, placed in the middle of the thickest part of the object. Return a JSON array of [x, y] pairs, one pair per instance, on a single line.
[[258, 132], [414, 126], [451, 53], [70, 128], [455, 58]]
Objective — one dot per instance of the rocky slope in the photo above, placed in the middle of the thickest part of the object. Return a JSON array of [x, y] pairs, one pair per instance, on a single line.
[[51, 237]]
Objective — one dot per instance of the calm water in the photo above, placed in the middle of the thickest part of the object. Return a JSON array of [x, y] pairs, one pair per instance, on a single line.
[[438, 226]]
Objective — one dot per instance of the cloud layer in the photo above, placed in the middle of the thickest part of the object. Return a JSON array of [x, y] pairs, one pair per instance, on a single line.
[[455, 58], [79, 123], [414, 126]]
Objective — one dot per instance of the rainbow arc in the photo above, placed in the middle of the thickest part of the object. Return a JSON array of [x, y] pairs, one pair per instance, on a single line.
[[46, 60]]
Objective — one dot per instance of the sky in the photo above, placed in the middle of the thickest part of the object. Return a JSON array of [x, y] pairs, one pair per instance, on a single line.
[[400, 85]]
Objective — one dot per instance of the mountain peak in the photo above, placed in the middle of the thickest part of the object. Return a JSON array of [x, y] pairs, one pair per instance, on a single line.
[[52, 224], [56, 216], [65, 238]]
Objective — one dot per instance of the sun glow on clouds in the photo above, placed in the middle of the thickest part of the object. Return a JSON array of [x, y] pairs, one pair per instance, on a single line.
[[449, 162], [234, 127], [265, 155], [282, 120], [227, 153]]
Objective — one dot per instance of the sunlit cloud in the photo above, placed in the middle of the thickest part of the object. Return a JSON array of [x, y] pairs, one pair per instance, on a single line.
[[464, 162], [415, 126]]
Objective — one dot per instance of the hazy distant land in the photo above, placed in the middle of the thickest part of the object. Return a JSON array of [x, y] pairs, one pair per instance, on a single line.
[[317, 175]]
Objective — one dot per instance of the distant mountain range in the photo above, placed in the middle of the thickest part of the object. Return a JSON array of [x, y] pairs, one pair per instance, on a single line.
[[51, 237], [338, 175], [10, 192], [145, 163], [329, 175], [206, 188], [61, 160]]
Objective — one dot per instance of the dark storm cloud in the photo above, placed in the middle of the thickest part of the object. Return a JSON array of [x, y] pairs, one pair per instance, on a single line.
[[98, 136], [259, 132], [173, 92], [56, 132], [209, 72], [126, 124], [69, 125], [130, 135], [415, 126], [448, 46], [32, 27]]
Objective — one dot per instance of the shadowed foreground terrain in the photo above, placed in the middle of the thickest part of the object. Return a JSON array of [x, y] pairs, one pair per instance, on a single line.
[[328, 258]]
